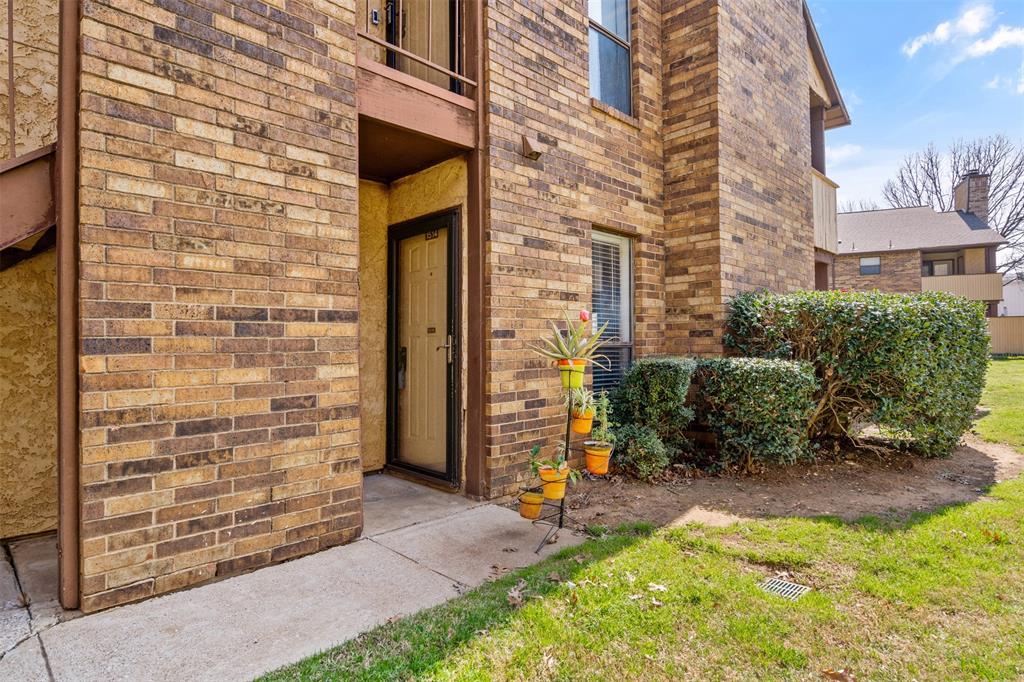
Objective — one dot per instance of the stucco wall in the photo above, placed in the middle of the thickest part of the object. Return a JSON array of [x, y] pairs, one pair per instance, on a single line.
[[35, 75], [373, 301], [28, 396], [974, 261], [429, 191]]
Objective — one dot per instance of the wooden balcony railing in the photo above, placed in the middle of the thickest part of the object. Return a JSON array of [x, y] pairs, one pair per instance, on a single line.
[[826, 235], [423, 38], [982, 287]]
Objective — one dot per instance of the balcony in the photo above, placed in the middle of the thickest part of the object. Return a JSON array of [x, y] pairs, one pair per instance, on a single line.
[[826, 235], [425, 39], [416, 60], [981, 287]]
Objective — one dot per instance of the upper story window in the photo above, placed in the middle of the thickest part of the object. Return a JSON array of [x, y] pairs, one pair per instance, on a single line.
[[612, 268], [870, 265], [610, 63]]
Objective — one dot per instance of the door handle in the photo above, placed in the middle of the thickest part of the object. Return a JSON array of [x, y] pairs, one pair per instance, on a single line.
[[448, 345], [402, 355]]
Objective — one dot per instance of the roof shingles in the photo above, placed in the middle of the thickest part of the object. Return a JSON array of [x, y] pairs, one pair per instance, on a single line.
[[905, 229]]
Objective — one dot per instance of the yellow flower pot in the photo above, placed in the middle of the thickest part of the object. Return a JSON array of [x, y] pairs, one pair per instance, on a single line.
[[572, 372], [582, 422], [554, 481], [530, 505], [597, 456]]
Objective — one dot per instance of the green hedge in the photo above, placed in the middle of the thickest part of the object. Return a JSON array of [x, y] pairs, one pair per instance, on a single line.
[[913, 364], [653, 394], [639, 452], [757, 408]]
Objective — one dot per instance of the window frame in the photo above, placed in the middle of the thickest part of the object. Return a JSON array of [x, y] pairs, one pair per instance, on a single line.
[[627, 44], [876, 267], [928, 267], [627, 289]]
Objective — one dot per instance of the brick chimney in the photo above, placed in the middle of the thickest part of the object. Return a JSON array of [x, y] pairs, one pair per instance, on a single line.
[[971, 194]]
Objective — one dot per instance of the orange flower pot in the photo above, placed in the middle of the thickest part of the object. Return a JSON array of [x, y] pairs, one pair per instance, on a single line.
[[554, 481], [583, 422], [530, 505], [572, 372], [597, 456]]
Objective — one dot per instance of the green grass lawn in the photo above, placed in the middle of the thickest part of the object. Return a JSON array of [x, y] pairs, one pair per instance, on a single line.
[[1004, 394], [937, 597]]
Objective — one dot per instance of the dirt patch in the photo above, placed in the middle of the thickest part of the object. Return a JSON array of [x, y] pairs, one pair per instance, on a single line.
[[859, 483]]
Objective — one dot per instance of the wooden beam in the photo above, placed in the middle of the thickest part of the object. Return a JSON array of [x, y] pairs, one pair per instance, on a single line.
[[68, 517], [404, 101], [26, 195], [477, 479]]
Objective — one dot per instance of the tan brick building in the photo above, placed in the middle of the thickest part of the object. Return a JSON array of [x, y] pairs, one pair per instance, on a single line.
[[910, 250], [292, 242]]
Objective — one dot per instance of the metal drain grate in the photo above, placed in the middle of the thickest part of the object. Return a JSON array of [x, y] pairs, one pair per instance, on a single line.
[[784, 588]]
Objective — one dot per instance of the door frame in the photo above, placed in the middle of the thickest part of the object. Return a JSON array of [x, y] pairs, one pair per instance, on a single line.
[[451, 219]]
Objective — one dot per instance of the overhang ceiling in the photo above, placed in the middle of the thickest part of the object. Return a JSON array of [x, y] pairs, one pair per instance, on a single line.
[[387, 153]]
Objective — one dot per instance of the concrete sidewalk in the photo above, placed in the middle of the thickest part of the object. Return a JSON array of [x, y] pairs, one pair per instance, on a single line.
[[241, 627]]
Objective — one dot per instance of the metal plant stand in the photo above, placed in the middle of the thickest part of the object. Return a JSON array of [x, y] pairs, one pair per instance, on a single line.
[[559, 507]]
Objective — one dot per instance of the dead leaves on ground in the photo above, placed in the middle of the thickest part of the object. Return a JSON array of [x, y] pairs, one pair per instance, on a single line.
[[519, 593], [516, 595], [994, 536]]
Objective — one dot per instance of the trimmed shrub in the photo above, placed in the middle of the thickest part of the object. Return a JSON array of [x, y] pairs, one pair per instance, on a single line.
[[757, 408], [912, 364], [653, 394], [640, 452]]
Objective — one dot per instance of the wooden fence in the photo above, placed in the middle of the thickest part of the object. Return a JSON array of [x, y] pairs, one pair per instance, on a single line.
[[1007, 335]]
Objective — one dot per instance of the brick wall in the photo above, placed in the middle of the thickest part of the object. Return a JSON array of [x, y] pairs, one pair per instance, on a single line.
[[693, 273], [219, 248], [901, 273], [598, 168], [767, 228], [712, 176], [219, 404], [737, 160]]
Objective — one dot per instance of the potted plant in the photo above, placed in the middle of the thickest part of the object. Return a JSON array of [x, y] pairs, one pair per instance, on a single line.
[[531, 501], [554, 473], [582, 403], [572, 349], [598, 450]]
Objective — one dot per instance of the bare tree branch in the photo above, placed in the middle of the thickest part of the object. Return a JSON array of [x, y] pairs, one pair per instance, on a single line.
[[927, 178], [853, 206]]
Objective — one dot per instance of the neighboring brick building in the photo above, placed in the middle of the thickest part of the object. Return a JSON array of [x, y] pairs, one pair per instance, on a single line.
[[909, 250], [311, 243]]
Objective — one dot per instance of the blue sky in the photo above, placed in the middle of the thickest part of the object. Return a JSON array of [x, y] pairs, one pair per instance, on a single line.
[[914, 72]]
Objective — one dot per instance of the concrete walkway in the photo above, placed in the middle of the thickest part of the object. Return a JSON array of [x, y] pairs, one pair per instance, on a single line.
[[421, 547]]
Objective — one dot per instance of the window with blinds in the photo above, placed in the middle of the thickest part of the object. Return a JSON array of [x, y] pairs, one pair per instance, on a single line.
[[612, 268]]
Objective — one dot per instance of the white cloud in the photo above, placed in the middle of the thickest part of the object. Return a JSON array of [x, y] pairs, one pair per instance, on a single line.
[[852, 99], [975, 19], [835, 156], [1005, 36], [1014, 84], [972, 20]]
